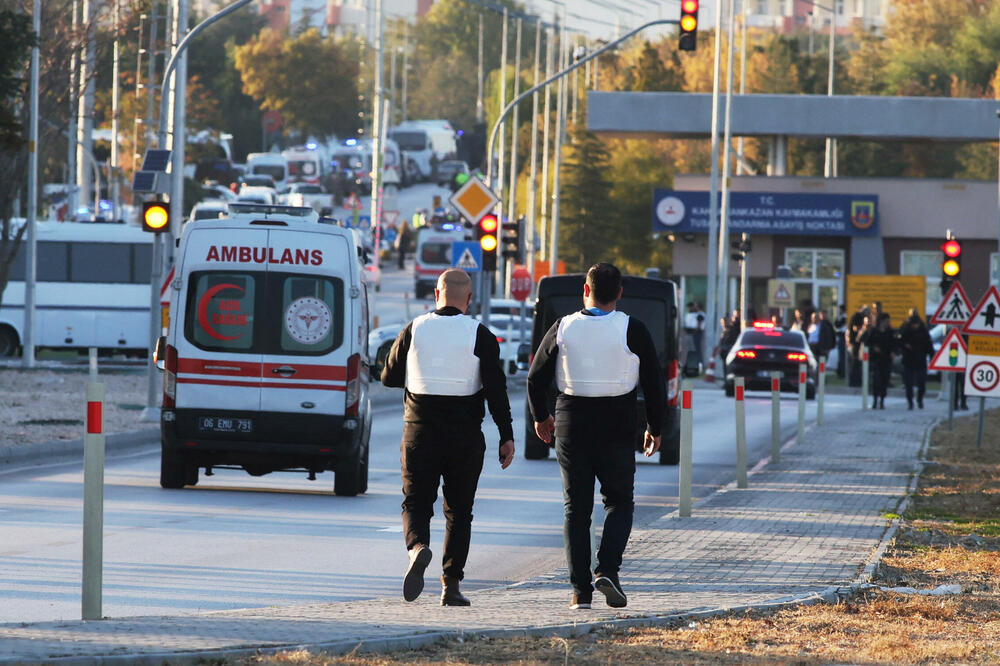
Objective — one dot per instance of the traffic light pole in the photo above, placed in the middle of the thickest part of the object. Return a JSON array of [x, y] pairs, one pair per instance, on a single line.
[[491, 143]]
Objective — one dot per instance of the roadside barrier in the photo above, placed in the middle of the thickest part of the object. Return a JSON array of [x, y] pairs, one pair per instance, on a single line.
[[710, 370], [864, 377], [775, 416], [741, 435], [820, 390], [93, 502], [801, 434], [684, 469]]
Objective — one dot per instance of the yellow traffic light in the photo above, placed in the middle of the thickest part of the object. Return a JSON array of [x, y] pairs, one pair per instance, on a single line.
[[488, 243], [950, 268], [155, 216]]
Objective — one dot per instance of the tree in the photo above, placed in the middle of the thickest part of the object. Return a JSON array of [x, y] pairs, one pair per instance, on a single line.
[[16, 40], [309, 79], [587, 222]]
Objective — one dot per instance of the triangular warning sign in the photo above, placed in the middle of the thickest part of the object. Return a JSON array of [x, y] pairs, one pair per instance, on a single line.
[[952, 355], [955, 308], [781, 294], [467, 261], [985, 319]]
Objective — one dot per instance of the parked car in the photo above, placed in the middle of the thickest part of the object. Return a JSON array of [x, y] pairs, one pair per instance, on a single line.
[[260, 195], [308, 195], [763, 349], [209, 209], [447, 171]]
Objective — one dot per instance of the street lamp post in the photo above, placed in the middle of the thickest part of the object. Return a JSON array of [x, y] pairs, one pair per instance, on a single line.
[[830, 162]]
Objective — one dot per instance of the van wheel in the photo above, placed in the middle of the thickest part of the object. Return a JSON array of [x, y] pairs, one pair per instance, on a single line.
[[347, 477], [670, 451], [175, 472], [8, 341]]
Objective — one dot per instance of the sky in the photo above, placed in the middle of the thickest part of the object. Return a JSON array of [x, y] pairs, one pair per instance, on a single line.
[[604, 19]]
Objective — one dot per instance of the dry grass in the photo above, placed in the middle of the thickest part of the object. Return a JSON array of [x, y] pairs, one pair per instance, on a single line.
[[951, 535]]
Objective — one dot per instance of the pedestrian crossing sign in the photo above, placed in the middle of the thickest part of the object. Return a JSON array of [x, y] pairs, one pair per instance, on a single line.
[[467, 255], [955, 308]]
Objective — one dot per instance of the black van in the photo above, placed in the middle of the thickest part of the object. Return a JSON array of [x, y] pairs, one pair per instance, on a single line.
[[651, 300]]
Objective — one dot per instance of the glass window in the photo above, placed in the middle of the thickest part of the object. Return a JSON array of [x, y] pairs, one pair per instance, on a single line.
[[994, 269], [800, 262], [312, 314], [416, 141], [435, 253], [51, 265], [829, 264], [220, 310], [771, 338], [100, 262], [912, 262], [142, 263], [275, 171]]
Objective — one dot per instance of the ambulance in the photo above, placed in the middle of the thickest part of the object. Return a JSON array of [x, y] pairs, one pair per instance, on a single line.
[[265, 359]]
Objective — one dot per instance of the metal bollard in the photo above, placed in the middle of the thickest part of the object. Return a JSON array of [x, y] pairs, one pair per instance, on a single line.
[[775, 416], [406, 305], [820, 390], [741, 435], [93, 363], [93, 503], [801, 435], [684, 469], [864, 377]]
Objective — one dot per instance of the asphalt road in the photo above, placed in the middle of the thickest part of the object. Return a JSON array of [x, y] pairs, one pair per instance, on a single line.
[[237, 541]]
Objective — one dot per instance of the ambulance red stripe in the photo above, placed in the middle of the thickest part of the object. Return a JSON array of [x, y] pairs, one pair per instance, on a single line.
[[258, 384], [325, 372], [198, 366]]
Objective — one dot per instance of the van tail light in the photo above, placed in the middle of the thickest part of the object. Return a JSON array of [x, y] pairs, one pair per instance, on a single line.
[[353, 390], [499, 339], [673, 380], [170, 377], [796, 356], [746, 353]]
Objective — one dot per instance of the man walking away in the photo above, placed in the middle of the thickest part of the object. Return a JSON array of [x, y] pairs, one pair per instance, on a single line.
[[597, 357], [917, 349], [840, 324], [859, 323], [448, 363]]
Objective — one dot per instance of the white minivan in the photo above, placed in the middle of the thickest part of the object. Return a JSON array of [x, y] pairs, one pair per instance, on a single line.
[[265, 358]]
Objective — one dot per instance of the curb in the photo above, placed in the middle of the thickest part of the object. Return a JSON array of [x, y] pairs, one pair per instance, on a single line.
[[63, 450]]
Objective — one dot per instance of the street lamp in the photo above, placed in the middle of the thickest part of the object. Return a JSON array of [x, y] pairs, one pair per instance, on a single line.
[[831, 146]]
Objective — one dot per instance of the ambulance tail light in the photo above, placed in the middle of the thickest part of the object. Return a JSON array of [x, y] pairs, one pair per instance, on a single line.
[[170, 377], [353, 390], [673, 380]]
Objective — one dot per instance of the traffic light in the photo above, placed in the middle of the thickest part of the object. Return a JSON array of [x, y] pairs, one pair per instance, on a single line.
[[688, 40], [951, 266], [512, 240], [489, 229], [155, 217]]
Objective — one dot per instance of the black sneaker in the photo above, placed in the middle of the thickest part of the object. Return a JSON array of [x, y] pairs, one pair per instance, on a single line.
[[579, 602], [413, 582], [611, 590]]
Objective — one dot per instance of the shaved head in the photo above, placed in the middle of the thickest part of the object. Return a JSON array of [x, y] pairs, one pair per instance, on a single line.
[[454, 288]]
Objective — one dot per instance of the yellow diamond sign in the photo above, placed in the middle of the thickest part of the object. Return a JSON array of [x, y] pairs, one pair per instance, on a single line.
[[473, 200]]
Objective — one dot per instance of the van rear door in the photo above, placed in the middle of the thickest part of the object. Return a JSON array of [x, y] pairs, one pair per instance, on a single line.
[[309, 332], [219, 347]]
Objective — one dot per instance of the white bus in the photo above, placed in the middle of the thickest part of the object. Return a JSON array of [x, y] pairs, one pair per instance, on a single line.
[[92, 289], [425, 143]]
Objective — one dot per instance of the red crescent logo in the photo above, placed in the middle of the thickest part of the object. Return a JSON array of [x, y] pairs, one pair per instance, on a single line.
[[203, 311]]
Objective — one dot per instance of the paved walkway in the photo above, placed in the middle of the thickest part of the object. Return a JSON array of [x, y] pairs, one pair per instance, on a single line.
[[811, 522]]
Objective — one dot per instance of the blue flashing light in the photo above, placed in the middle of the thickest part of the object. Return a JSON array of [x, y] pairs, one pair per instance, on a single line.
[[104, 204], [460, 132], [449, 226], [312, 145], [351, 142], [82, 210]]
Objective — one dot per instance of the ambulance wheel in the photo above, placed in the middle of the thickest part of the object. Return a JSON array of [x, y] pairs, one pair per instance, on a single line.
[[8, 341], [347, 477], [670, 451], [175, 472]]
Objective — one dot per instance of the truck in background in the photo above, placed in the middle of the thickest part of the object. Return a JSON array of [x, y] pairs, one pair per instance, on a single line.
[[274, 165]]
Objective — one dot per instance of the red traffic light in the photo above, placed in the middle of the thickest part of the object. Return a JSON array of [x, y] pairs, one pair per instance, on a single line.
[[689, 6], [952, 248], [488, 224]]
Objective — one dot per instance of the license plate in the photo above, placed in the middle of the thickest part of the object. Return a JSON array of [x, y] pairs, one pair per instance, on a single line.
[[224, 424]]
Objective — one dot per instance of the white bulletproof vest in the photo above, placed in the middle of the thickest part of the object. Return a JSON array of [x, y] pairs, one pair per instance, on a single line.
[[442, 359], [594, 360]]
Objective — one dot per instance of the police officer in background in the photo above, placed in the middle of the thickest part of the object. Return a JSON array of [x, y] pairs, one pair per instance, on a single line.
[[597, 357], [448, 363]]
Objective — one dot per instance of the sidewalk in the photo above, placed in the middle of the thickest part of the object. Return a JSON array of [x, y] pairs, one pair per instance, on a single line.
[[805, 526]]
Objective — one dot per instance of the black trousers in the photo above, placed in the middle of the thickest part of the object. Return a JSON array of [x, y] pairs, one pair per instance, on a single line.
[[915, 377], [881, 369], [428, 456], [581, 461]]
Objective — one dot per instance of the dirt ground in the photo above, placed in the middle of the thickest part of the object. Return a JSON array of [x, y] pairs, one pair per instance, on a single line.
[[950, 535]]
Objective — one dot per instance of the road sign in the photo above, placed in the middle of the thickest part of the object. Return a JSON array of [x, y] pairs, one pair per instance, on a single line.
[[985, 319], [955, 308], [467, 255], [898, 294], [953, 355], [520, 283], [780, 293], [352, 202], [390, 216], [982, 374], [473, 200]]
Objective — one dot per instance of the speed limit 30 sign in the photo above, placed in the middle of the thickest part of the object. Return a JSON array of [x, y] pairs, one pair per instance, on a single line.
[[982, 371]]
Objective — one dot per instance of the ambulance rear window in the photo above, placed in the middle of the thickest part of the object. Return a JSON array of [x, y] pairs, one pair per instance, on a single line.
[[435, 253], [221, 308]]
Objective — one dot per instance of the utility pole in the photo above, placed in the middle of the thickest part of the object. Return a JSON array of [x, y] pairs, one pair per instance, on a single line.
[[74, 66], [113, 172], [830, 164], [31, 249], [741, 162], [512, 193], [546, 115], [711, 311], [479, 78], [559, 137], [406, 66], [392, 86], [85, 124], [723, 257], [179, 142], [529, 255], [377, 122]]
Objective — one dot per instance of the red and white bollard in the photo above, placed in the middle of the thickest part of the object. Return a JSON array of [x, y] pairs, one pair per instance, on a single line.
[[800, 436], [864, 377], [93, 503], [775, 416], [684, 468], [741, 435], [820, 390]]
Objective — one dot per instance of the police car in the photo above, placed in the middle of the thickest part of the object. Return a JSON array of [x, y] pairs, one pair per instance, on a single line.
[[265, 360]]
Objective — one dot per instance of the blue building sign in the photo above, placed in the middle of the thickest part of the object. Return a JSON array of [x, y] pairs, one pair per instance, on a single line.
[[770, 213]]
